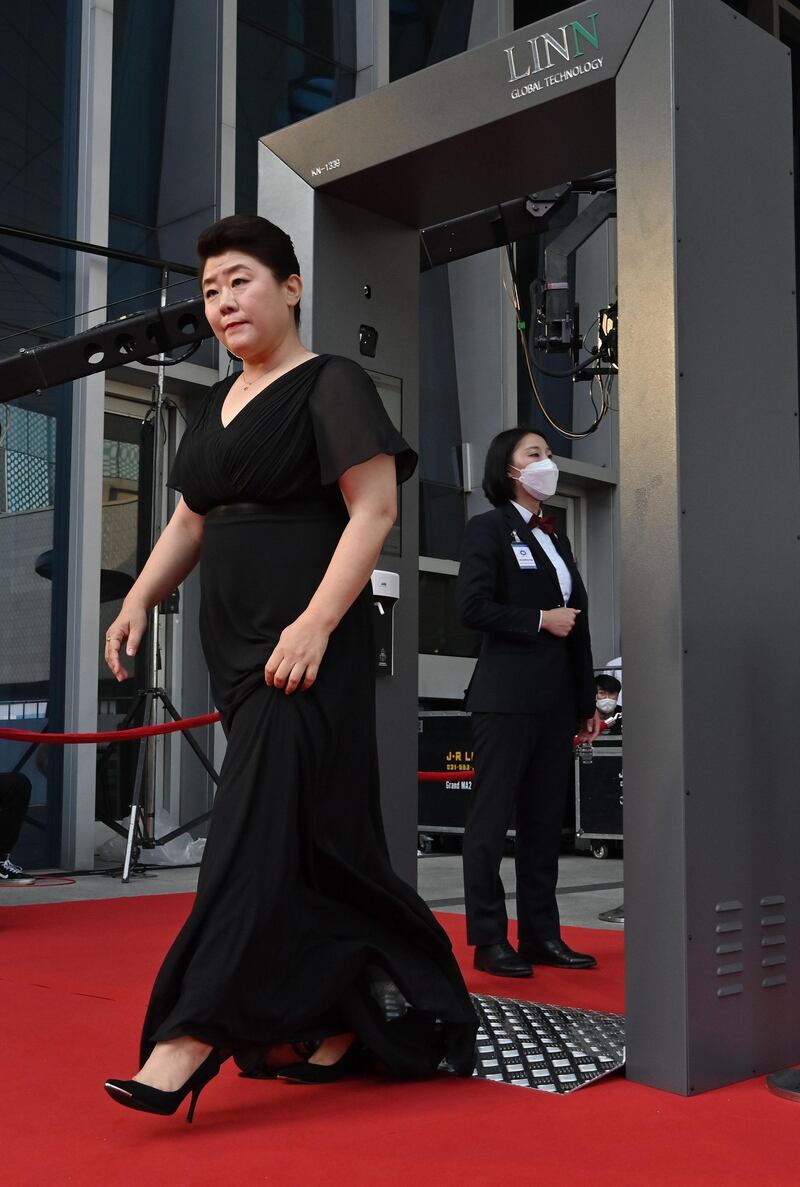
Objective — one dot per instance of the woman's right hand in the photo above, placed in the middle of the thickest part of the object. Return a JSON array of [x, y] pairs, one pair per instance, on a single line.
[[130, 624], [559, 622]]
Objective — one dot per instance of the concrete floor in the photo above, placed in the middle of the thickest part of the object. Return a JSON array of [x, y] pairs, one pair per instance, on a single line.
[[586, 886]]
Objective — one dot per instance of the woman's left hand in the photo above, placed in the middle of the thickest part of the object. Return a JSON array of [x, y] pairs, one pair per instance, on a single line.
[[589, 729], [297, 657]]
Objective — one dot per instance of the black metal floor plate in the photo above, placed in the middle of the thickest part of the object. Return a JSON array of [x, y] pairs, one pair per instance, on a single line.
[[552, 1048]]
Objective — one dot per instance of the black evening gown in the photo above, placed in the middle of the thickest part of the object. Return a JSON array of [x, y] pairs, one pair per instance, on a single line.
[[298, 917]]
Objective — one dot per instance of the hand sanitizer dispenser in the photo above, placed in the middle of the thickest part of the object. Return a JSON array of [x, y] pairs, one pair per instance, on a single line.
[[385, 592]]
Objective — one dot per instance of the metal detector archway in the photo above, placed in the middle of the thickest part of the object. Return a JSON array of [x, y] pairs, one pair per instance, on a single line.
[[692, 107]]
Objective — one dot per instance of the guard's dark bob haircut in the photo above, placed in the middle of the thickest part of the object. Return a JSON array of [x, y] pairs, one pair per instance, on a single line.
[[256, 236], [497, 486]]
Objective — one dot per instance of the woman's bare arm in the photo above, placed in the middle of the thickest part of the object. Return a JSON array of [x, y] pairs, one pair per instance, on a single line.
[[370, 492], [175, 554]]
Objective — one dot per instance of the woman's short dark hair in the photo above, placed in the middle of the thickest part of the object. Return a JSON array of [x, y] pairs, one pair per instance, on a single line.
[[497, 486], [256, 236]]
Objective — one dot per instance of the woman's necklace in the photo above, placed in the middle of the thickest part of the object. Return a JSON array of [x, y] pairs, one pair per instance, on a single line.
[[246, 384]]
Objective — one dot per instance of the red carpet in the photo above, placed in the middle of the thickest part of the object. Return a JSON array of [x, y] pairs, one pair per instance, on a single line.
[[73, 985]]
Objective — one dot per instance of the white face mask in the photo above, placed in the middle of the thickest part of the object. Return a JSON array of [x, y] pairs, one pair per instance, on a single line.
[[606, 705], [540, 479]]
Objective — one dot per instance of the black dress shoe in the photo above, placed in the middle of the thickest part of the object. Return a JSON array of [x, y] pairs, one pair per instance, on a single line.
[[353, 1061], [501, 960], [556, 953]]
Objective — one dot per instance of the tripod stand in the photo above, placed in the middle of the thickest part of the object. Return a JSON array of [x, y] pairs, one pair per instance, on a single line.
[[141, 827]]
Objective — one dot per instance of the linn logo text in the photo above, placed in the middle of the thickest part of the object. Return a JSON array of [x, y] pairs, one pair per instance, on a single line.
[[568, 45]]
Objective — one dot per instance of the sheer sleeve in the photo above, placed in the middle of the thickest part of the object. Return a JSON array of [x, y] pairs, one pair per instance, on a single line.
[[184, 471], [175, 479], [351, 424]]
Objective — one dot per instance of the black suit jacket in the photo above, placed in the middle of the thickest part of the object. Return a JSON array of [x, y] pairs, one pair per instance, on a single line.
[[520, 668]]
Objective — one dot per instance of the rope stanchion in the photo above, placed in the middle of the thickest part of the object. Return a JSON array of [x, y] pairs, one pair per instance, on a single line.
[[142, 731], [36, 738], [135, 833]]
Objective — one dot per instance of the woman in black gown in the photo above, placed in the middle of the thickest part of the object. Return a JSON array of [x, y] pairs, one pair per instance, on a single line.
[[300, 932]]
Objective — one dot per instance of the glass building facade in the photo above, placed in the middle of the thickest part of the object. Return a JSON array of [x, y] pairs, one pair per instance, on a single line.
[[292, 60], [163, 83], [38, 133]]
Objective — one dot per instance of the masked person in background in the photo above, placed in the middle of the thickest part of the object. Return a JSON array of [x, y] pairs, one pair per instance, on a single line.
[[533, 688], [608, 706]]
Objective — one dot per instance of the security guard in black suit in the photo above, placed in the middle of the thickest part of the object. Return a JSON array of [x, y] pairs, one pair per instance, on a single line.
[[532, 690]]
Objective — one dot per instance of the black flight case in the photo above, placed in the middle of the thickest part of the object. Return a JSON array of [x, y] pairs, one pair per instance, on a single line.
[[445, 747], [598, 793]]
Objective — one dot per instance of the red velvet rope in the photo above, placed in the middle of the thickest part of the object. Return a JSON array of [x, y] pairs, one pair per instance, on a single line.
[[443, 776], [142, 731], [186, 723]]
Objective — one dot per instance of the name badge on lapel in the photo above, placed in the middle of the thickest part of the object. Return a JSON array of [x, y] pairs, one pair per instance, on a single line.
[[522, 552]]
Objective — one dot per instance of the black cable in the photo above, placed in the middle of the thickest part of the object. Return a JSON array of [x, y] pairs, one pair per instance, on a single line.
[[177, 407], [608, 394], [596, 322], [568, 433], [74, 316], [151, 362], [591, 394], [111, 870], [570, 372]]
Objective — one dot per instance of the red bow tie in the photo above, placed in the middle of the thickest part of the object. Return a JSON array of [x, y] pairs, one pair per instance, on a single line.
[[545, 522]]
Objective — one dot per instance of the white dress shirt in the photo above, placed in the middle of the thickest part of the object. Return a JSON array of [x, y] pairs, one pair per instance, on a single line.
[[562, 572]]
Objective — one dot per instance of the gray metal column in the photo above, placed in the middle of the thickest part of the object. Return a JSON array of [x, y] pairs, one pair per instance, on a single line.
[[341, 249], [226, 108], [190, 683], [372, 45], [86, 478], [711, 571]]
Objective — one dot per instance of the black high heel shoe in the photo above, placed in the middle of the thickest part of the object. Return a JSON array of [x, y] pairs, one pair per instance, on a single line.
[[353, 1060], [134, 1095], [256, 1066]]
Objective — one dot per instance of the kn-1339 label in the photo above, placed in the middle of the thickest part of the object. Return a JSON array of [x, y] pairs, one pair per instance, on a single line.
[[328, 167]]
